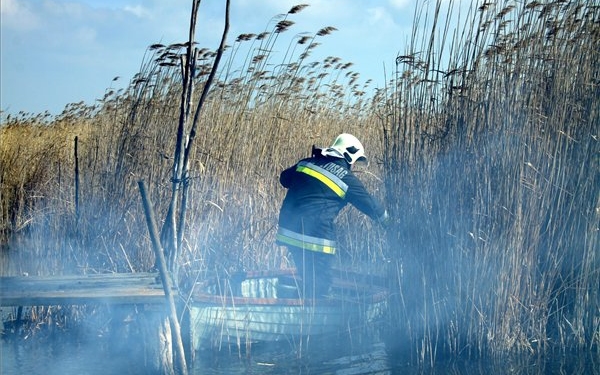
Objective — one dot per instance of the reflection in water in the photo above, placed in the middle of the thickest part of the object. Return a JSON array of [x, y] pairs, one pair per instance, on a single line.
[[322, 358], [95, 357], [34, 356], [374, 359]]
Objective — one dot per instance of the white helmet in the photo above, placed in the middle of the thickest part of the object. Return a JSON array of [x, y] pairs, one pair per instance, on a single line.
[[350, 147]]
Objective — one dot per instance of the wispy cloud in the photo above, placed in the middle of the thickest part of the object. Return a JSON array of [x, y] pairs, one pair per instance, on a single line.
[[138, 10], [18, 15], [380, 17], [400, 4]]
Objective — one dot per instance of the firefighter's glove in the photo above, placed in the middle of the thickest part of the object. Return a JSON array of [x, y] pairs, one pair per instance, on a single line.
[[385, 220]]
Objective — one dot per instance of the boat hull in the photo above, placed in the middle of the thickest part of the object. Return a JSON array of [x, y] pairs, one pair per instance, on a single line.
[[214, 325], [259, 314]]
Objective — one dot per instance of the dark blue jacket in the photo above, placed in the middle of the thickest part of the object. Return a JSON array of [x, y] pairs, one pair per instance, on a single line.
[[318, 188]]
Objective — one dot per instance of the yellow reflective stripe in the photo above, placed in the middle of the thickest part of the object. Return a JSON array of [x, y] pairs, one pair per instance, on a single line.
[[327, 247], [336, 189], [323, 178], [306, 246]]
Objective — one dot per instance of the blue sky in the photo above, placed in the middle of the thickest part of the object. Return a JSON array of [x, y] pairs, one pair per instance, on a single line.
[[56, 52]]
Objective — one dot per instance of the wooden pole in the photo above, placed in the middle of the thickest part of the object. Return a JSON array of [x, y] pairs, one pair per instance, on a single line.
[[166, 280], [76, 152]]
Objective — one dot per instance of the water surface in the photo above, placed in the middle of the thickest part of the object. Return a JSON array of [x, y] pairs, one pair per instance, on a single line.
[[94, 357]]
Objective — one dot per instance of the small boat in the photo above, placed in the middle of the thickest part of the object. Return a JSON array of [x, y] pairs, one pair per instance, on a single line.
[[265, 307]]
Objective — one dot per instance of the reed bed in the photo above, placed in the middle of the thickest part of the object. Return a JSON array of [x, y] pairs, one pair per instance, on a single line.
[[492, 140], [484, 146]]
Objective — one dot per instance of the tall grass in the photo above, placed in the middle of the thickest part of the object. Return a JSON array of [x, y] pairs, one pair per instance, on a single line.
[[484, 146], [494, 146]]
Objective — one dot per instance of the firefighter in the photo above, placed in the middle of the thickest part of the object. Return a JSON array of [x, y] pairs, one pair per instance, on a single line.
[[318, 187]]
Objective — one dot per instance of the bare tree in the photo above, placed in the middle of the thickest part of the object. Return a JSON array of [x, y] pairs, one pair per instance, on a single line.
[[174, 226]]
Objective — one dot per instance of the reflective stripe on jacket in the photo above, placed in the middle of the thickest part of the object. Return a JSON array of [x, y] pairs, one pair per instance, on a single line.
[[331, 180], [302, 241]]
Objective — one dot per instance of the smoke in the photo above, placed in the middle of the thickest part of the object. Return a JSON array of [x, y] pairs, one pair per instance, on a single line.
[[103, 340]]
